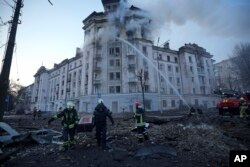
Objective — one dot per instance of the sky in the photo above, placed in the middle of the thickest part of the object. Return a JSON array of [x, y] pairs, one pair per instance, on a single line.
[[49, 33]]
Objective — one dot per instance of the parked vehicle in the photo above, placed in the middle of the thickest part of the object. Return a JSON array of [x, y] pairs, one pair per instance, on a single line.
[[230, 103]]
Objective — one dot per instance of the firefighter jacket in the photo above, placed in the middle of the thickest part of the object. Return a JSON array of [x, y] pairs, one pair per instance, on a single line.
[[139, 117], [243, 103], [100, 114], [70, 118]]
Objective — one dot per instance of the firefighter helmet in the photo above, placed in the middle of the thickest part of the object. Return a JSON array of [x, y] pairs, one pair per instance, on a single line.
[[100, 101], [137, 104], [242, 99], [70, 105]]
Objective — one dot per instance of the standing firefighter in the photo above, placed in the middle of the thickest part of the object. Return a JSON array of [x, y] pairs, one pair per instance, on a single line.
[[243, 107], [34, 113], [100, 114], [140, 123], [69, 122]]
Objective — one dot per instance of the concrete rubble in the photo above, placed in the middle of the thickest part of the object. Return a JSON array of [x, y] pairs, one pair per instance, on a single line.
[[179, 140]]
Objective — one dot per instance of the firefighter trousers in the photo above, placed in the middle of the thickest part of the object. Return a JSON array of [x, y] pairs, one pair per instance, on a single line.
[[101, 136]]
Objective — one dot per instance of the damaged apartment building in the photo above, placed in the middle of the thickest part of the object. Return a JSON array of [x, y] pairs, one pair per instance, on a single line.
[[118, 51]]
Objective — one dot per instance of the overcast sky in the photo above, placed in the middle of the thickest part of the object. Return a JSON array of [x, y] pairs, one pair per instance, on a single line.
[[49, 34]]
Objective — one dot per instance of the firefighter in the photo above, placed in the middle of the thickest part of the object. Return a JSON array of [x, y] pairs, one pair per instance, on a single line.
[[70, 120], [243, 107], [140, 123], [100, 114], [34, 113]]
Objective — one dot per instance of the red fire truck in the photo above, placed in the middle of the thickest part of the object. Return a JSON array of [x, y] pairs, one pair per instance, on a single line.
[[230, 102]]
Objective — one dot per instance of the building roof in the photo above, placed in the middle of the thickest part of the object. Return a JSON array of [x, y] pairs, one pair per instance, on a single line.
[[109, 1], [92, 15]]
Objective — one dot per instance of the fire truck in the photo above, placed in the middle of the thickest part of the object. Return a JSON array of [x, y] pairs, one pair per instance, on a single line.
[[230, 102]]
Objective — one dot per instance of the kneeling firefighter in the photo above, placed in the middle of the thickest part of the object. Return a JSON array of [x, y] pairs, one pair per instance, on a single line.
[[70, 120], [140, 123]]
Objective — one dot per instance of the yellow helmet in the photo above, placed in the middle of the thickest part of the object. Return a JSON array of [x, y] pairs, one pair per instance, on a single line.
[[70, 105]]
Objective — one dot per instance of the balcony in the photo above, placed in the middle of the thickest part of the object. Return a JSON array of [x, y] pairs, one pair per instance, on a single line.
[[97, 69], [98, 57], [132, 80], [97, 82], [131, 66]]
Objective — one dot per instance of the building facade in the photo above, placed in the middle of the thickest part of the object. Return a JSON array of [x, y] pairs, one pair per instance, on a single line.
[[228, 76], [119, 61]]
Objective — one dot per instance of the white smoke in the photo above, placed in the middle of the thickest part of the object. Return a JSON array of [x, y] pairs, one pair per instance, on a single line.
[[216, 17]]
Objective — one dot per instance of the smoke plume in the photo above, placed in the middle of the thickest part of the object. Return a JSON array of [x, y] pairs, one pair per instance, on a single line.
[[215, 17]]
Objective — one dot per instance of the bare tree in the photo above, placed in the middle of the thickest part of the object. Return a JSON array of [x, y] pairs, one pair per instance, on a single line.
[[241, 60], [143, 77]]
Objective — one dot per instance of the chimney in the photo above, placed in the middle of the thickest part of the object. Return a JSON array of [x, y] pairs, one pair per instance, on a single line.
[[166, 45]]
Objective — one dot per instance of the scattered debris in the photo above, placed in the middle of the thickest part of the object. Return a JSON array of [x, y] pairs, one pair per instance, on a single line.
[[7, 132], [46, 136], [85, 124], [155, 149]]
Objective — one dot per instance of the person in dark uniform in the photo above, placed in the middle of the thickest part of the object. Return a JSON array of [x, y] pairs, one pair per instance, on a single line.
[[70, 120], [140, 123], [100, 114]]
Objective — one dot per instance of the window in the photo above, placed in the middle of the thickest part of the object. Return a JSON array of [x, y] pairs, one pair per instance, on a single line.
[[111, 76], [169, 68], [159, 57], [176, 60], [111, 51], [168, 58], [171, 91], [117, 62], [170, 79], [146, 88], [118, 89], [176, 69], [192, 79], [117, 50], [178, 81], [111, 89], [118, 76], [194, 91], [111, 63], [173, 103], [191, 69], [144, 49], [161, 67], [164, 103], [190, 59]]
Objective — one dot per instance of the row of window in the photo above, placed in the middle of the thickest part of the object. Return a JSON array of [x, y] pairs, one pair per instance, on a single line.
[[168, 58], [169, 67]]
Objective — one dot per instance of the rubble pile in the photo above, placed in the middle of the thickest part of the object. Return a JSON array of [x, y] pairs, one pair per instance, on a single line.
[[197, 140]]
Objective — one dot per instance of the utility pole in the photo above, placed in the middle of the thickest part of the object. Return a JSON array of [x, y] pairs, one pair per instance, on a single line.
[[6, 65]]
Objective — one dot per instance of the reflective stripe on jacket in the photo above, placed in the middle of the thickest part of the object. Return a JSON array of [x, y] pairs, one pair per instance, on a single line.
[[69, 118]]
